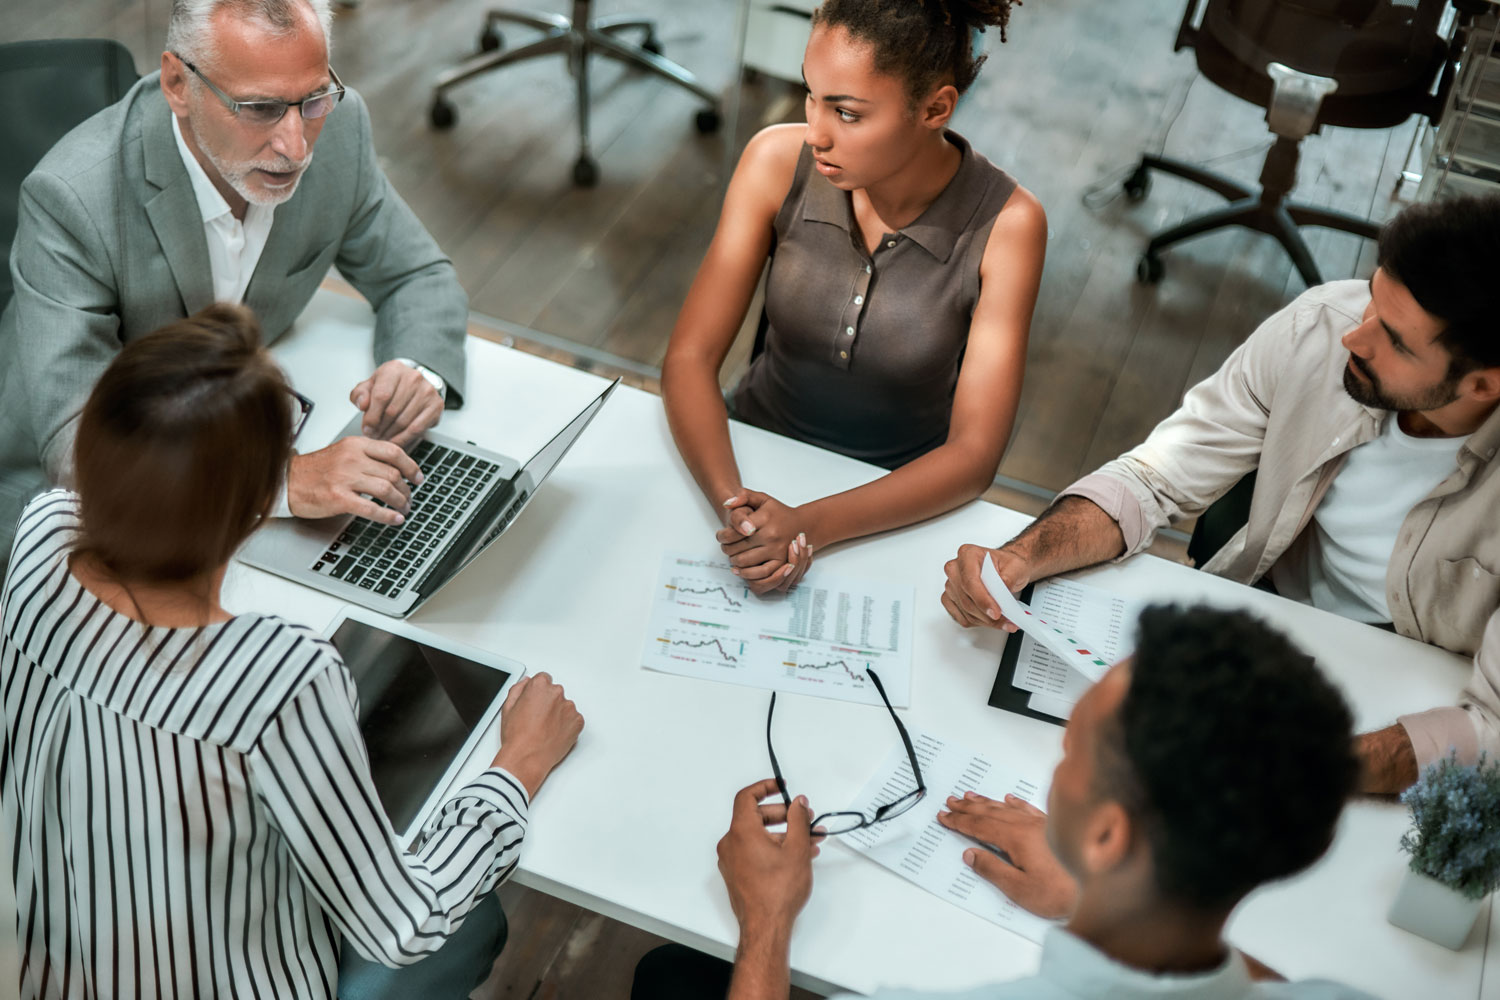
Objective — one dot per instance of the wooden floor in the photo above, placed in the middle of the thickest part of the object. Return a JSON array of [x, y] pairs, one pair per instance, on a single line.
[[1067, 106]]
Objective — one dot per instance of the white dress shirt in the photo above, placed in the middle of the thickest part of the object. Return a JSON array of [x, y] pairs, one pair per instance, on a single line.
[[234, 247]]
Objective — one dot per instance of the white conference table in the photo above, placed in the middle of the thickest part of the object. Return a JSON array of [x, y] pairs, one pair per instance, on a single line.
[[628, 824]]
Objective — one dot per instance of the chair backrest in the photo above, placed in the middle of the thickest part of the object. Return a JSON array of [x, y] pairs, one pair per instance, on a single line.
[[46, 89]]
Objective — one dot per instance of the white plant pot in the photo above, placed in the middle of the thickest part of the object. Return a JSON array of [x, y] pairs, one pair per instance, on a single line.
[[1430, 909]]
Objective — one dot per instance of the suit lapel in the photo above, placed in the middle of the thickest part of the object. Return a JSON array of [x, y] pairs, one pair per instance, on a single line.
[[173, 211], [263, 294]]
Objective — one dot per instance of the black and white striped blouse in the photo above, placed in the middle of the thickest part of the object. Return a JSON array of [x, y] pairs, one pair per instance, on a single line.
[[191, 810]]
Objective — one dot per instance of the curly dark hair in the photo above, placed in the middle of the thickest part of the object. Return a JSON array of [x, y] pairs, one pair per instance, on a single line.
[[1230, 750], [1444, 252], [923, 42]]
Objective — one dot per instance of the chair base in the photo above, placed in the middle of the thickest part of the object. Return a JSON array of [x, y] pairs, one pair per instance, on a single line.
[[1265, 211], [578, 38]]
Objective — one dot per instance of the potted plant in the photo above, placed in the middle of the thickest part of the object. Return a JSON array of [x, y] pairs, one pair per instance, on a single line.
[[1454, 845]]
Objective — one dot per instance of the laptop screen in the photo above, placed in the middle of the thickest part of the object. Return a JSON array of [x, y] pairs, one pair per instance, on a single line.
[[417, 707]]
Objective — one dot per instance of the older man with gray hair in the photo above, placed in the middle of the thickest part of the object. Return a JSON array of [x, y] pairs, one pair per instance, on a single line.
[[200, 185]]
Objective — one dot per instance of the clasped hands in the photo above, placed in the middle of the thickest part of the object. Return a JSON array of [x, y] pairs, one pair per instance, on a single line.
[[765, 540], [769, 874], [350, 475]]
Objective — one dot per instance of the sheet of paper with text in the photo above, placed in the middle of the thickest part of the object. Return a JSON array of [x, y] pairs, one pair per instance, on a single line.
[[821, 638], [917, 847]]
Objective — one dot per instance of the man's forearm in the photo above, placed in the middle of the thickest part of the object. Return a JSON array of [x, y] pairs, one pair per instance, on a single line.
[[762, 965], [1389, 761], [1071, 534]]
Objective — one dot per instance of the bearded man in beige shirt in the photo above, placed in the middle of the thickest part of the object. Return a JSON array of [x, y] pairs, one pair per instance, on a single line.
[[1368, 412]]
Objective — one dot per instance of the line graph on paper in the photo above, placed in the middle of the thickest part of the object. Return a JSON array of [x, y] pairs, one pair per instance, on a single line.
[[705, 594], [828, 669], [701, 647], [819, 639]]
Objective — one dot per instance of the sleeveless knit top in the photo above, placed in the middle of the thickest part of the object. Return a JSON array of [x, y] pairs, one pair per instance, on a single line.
[[862, 352]]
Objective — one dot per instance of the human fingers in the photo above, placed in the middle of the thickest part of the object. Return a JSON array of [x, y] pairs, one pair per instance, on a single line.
[[957, 613], [755, 552], [407, 408], [357, 505], [380, 487], [993, 869], [760, 571], [403, 393], [980, 827], [973, 594], [382, 389], [798, 836], [733, 543], [425, 420], [772, 813], [801, 558], [393, 455], [747, 800], [1015, 801], [360, 394]]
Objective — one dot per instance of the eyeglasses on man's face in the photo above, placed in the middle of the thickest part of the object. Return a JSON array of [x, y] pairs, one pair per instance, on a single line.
[[262, 114], [847, 821]]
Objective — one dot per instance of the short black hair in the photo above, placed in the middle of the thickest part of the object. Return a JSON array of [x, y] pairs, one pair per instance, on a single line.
[[1231, 752], [923, 42], [1444, 252]]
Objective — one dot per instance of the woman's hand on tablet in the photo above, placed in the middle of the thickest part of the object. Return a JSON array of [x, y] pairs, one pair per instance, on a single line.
[[538, 726]]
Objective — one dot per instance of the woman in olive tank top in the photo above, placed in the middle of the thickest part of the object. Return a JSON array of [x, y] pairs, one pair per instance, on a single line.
[[904, 267]]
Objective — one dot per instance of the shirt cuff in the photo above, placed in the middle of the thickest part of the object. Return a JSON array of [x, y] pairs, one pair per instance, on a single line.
[[283, 506], [1439, 731], [1115, 499]]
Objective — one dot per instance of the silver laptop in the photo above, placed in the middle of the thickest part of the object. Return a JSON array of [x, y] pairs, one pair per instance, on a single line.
[[468, 497]]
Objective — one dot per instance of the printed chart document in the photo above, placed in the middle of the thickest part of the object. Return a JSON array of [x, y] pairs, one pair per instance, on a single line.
[[1076, 608], [917, 847], [817, 639]]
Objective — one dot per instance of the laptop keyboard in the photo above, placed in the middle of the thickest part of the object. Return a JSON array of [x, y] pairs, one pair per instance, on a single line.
[[383, 558]]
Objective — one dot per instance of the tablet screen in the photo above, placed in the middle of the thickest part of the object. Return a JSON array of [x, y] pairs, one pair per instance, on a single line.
[[418, 706]]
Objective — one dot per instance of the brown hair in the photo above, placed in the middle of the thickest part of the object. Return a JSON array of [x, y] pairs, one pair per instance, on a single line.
[[924, 42], [181, 448]]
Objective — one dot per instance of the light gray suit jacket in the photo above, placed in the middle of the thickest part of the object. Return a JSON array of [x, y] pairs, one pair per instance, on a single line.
[[110, 246]]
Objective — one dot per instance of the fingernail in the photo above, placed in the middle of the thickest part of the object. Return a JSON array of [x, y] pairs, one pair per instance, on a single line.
[[788, 570], [969, 857], [802, 801], [1010, 628], [420, 478], [802, 538], [734, 570], [400, 519], [992, 613], [747, 528], [731, 501], [971, 795], [367, 430]]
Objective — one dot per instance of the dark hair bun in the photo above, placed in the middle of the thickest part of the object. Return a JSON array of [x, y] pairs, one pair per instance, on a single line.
[[979, 13]]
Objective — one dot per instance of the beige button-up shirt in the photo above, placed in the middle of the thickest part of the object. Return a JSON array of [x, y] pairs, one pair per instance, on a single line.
[[1278, 404]]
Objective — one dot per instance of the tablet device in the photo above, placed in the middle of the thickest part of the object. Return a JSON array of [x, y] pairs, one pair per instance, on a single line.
[[429, 710], [1005, 695]]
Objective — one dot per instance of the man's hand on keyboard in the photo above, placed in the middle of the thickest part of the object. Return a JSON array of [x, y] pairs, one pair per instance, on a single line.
[[399, 404], [348, 477]]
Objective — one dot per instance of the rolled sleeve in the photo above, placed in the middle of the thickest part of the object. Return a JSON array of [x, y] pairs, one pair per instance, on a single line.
[[1471, 728], [1116, 499]]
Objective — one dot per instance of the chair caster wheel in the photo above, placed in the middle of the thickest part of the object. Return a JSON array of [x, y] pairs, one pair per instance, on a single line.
[[1138, 184], [652, 44], [585, 172], [442, 114], [490, 39], [707, 120], [1149, 269]]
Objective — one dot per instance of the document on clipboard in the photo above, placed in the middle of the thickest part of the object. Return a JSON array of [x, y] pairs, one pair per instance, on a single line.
[[1071, 634]]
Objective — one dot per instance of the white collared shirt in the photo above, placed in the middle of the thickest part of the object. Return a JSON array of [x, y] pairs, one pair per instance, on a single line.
[[234, 247]]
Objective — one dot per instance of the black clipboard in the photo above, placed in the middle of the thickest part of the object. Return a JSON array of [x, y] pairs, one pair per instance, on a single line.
[[1005, 695]]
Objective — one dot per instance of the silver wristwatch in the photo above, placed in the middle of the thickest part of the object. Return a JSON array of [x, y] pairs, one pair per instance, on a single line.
[[433, 378]]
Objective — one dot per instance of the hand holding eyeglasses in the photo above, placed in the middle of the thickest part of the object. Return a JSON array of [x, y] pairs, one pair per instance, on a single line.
[[768, 875], [1033, 878]]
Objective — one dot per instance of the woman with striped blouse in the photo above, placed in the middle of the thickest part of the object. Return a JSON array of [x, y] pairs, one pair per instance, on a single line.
[[186, 792]]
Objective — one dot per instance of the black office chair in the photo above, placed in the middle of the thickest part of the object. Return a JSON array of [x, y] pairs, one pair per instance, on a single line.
[[1309, 63], [46, 88], [578, 38]]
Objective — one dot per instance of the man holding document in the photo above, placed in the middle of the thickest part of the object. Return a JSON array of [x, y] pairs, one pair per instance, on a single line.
[[1215, 760], [1367, 411]]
